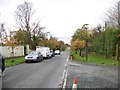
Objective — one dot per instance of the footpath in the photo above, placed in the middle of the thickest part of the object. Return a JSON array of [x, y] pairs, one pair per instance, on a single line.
[[91, 75]]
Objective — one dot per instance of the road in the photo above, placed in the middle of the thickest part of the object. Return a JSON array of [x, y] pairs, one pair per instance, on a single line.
[[45, 74], [48, 74]]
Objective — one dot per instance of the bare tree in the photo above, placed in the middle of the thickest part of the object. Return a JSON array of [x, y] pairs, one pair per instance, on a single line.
[[24, 15], [112, 17]]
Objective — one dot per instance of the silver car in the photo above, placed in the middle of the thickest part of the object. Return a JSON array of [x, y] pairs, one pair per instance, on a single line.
[[34, 56]]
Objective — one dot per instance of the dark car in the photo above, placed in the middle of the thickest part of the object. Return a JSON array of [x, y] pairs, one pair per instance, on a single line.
[[34, 56], [2, 63]]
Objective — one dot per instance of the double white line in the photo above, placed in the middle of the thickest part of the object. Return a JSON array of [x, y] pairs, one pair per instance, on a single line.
[[63, 83]]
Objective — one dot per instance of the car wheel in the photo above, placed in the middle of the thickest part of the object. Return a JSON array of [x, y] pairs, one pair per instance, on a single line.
[[38, 59], [42, 58], [26, 61], [48, 57]]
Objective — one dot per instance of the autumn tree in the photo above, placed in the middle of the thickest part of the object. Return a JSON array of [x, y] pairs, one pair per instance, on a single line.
[[61, 45], [18, 35], [81, 39], [52, 43], [78, 45]]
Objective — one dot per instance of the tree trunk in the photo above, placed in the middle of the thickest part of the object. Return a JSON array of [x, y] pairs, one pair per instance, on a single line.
[[86, 50], [34, 42], [80, 52], [117, 51]]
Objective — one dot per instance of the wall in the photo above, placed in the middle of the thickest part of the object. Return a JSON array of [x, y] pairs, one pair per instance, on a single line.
[[6, 51]]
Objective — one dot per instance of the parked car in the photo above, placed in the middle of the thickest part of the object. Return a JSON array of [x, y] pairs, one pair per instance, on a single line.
[[57, 52], [52, 53], [2, 63], [45, 51], [34, 56]]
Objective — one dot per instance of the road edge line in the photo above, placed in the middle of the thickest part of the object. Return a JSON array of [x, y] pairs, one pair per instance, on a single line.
[[65, 75]]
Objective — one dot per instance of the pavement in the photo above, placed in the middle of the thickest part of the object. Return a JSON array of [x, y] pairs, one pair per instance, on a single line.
[[45, 74], [92, 76]]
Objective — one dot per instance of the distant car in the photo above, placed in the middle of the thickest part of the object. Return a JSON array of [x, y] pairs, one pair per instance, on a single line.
[[34, 56], [2, 63], [57, 52]]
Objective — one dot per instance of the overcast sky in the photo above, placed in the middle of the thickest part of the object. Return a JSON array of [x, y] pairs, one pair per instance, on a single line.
[[60, 17]]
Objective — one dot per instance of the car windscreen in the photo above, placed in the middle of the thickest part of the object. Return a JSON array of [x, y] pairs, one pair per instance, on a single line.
[[33, 53]]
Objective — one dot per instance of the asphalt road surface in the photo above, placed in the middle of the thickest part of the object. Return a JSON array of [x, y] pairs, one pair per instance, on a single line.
[[92, 76], [45, 74]]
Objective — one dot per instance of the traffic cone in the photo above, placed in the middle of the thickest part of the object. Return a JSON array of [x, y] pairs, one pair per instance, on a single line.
[[74, 87]]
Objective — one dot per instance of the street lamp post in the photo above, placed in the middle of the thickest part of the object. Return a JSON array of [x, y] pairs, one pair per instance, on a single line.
[[1, 31]]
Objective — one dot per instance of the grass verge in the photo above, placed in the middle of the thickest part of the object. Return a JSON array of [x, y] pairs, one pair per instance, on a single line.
[[96, 59], [10, 62]]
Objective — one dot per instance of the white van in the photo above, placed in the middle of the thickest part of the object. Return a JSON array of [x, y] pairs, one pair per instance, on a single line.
[[45, 51]]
